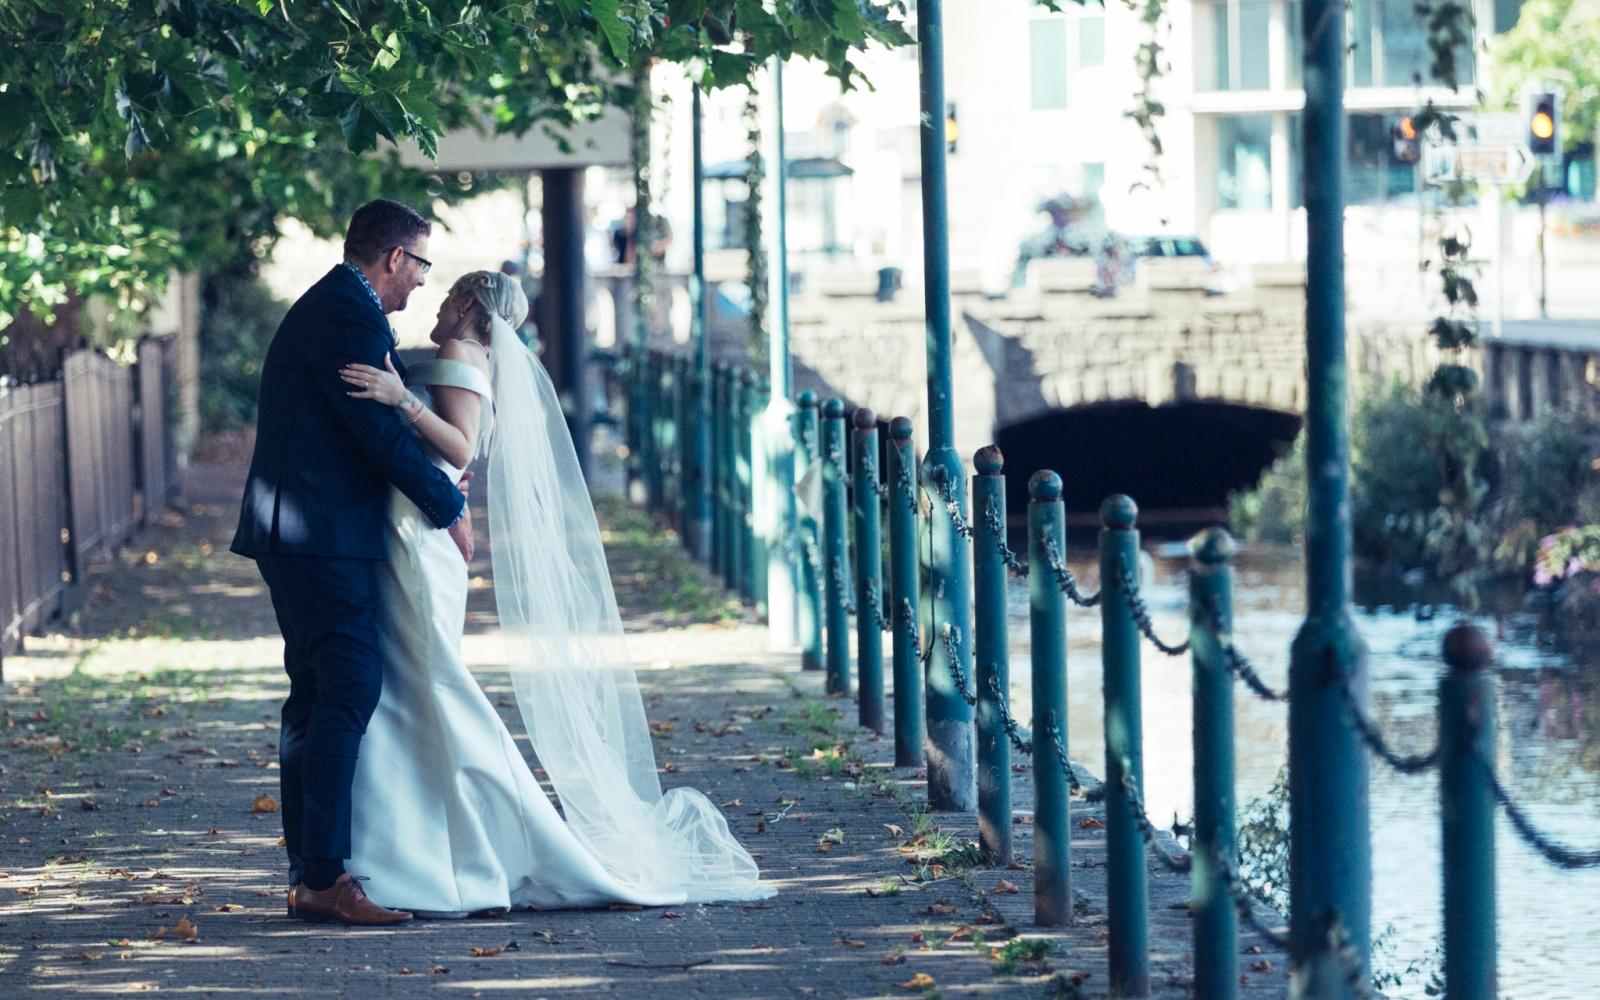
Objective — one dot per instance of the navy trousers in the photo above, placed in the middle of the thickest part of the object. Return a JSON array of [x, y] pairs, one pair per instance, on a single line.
[[328, 611]]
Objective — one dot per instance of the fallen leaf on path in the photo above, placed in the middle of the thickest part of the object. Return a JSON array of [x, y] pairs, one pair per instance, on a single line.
[[670, 915], [183, 929], [833, 836], [916, 937], [851, 943], [439, 970], [1264, 965], [894, 958], [488, 952], [894, 831], [962, 933], [230, 908], [939, 909], [264, 804], [1090, 823], [625, 906], [920, 981], [757, 906], [1003, 887], [87, 956]]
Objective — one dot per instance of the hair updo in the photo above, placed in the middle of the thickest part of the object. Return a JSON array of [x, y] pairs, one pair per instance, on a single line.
[[491, 294]]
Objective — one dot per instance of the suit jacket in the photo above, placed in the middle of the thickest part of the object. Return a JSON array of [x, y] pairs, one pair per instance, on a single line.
[[323, 464]]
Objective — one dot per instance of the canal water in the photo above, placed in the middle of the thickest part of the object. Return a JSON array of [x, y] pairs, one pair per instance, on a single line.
[[1549, 753]]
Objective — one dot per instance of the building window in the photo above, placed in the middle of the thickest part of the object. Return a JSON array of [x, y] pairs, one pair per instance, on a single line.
[[1244, 162], [1047, 64], [1094, 178], [1389, 46], [1372, 175], [1091, 41], [1239, 30]]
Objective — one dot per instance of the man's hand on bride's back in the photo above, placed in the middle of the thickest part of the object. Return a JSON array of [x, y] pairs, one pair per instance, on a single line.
[[461, 533]]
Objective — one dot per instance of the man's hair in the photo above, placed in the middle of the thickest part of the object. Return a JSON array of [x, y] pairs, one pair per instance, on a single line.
[[382, 225]]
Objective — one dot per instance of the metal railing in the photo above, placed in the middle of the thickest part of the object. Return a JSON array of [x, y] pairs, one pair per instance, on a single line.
[[840, 554]]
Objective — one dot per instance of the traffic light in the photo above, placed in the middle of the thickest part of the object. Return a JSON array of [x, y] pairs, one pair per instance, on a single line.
[[1544, 123], [952, 131], [1407, 144]]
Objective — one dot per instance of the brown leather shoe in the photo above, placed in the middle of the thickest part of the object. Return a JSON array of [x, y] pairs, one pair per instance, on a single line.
[[345, 902]]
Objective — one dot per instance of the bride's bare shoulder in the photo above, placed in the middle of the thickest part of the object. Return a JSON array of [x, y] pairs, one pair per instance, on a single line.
[[470, 351]]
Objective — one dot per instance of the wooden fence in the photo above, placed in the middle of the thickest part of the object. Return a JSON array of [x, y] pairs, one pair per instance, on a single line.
[[84, 460]]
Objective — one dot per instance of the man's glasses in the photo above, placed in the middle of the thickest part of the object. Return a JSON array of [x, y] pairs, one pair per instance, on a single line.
[[424, 265]]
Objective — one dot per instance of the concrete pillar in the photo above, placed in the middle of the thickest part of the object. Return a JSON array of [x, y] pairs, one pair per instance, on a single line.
[[563, 328]]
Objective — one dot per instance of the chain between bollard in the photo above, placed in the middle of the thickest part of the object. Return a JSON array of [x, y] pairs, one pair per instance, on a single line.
[[952, 642], [1141, 613], [1244, 901], [997, 527], [1238, 665], [842, 582], [1020, 738], [1064, 577], [1349, 959], [1368, 731], [1058, 744], [813, 558], [1552, 851], [941, 483], [1147, 829], [875, 608], [907, 484]]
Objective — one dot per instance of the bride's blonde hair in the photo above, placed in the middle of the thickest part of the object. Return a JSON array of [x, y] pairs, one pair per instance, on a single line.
[[492, 294]]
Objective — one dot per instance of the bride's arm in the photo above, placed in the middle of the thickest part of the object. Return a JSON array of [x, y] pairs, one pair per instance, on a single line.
[[453, 430]]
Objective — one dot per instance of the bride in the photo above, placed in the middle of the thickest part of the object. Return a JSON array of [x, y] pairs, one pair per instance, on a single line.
[[448, 818]]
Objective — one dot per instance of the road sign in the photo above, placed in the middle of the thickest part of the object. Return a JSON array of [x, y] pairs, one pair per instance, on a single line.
[[1490, 147], [1488, 164]]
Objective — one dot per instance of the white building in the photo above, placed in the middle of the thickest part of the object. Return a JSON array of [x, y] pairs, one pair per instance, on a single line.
[[1040, 101]]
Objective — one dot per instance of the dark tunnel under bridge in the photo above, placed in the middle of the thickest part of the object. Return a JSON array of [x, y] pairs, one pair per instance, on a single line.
[[1178, 461]]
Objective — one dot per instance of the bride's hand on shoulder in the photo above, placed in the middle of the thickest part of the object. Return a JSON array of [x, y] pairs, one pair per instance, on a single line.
[[379, 385]]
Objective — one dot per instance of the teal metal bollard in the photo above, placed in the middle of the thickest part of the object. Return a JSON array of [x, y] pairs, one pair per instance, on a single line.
[[867, 515], [1127, 892], [808, 543], [649, 463], [760, 542], [992, 669], [733, 524], [1467, 814], [903, 594], [716, 496], [749, 412], [733, 400], [688, 472], [1216, 852], [1047, 629], [835, 545]]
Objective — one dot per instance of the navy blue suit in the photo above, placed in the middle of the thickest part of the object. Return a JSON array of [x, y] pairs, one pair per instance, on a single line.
[[313, 517]]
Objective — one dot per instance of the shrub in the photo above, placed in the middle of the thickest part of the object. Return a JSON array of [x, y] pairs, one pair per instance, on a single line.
[[238, 316]]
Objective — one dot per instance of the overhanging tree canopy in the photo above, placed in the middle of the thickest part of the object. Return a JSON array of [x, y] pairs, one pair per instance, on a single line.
[[141, 135]]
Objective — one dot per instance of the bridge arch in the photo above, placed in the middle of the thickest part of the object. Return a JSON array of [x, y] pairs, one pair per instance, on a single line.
[[1179, 460]]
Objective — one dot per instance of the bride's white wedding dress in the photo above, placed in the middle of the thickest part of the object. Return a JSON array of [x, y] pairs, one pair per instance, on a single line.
[[448, 817]]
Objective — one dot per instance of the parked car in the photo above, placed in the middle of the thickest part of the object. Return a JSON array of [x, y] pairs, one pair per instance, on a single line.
[[1167, 245]]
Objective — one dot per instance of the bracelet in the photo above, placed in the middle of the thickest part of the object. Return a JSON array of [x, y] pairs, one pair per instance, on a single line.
[[411, 415]]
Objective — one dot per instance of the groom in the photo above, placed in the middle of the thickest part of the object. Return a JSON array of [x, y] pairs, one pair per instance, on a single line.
[[313, 517]]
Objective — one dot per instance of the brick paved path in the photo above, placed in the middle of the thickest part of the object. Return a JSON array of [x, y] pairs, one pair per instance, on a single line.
[[134, 749]]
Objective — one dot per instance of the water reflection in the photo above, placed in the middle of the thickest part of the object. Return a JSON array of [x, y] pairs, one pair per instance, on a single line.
[[1548, 749]]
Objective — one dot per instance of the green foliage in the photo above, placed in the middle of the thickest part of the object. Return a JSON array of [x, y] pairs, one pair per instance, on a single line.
[[1554, 40], [137, 137], [238, 316], [1274, 510], [1264, 843]]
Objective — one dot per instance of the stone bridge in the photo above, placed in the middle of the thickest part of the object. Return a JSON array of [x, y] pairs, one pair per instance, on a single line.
[[1207, 386]]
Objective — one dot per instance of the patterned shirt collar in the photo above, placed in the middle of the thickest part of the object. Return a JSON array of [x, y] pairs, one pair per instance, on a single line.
[[372, 293]]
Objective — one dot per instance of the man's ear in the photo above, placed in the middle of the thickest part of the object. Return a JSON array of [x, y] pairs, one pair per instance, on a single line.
[[393, 259]]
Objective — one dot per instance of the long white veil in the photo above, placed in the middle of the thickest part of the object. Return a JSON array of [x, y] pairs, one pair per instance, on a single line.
[[574, 682]]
